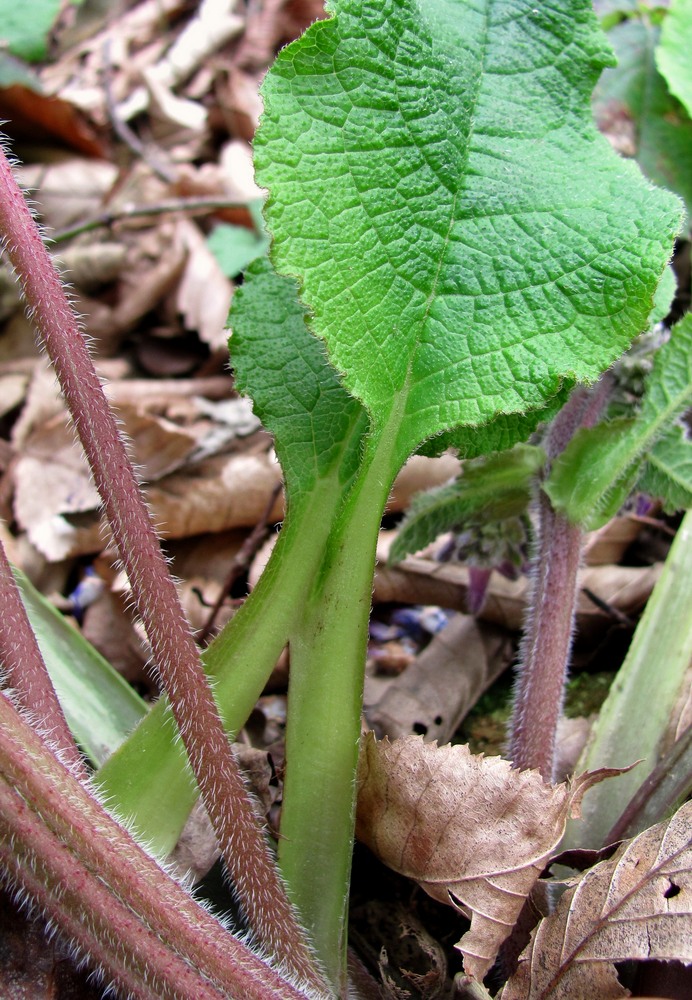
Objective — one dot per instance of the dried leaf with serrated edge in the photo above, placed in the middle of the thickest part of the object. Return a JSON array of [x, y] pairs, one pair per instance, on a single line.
[[637, 905], [471, 830]]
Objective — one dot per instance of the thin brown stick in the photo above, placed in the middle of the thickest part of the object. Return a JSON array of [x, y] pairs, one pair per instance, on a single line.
[[190, 206], [177, 659], [123, 130], [240, 562]]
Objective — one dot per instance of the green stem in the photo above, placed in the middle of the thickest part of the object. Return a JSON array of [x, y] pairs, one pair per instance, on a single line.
[[328, 648], [158, 797]]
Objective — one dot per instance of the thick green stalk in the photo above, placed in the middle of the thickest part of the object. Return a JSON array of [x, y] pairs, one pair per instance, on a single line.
[[328, 645], [158, 797], [661, 793]]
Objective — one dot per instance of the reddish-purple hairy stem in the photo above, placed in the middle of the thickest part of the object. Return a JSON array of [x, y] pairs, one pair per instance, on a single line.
[[26, 672], [221, 784], [547, 641], [113, 901]]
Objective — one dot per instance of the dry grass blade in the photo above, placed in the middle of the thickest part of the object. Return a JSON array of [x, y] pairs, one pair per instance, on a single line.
[[637, 905]]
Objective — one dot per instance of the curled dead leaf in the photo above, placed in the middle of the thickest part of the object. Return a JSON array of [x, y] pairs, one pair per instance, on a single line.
[[471, 830], [637, 905]]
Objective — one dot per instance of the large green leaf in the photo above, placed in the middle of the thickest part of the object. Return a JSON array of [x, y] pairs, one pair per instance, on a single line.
[[464, 238]]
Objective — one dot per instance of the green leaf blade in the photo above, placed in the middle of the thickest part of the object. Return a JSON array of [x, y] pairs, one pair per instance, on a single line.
[[500, 434], [296, 393], [600, 466], [668, 471], [489, 489], [26, 31], [235, 247], [464, 239], [673, 52], [101, 708], [633, 103]]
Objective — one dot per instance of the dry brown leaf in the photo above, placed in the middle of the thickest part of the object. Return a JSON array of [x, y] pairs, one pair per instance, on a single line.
[[421, 473], [213, 25], [240, 103], [204, 294], [609, 543], [217, 494], [471, 830], [40, 118], [13, 386], [237, 168], [108, 626], [68, 191], [425, 581], [637, 905], [442, 683], [78, 74], [202, 564]]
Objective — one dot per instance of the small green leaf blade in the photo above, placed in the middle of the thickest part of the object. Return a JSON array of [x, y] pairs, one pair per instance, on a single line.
[[100, 707], [464, 238], [235, 247], [25, 30], [633, 104], [602, 464], [668, 471], [673, 52], [500, 434], [296, 393], [489, 489]]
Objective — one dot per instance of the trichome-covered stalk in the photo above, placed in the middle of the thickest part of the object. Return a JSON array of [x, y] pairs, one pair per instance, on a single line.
[[177, 659], [547, 641], [25, 672], [132, 921]]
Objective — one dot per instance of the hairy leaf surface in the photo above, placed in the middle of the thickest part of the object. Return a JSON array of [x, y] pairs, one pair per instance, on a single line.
[[296, 393], [464, 238], [638, 905], [599, 467], [668, 470], [489, 489]]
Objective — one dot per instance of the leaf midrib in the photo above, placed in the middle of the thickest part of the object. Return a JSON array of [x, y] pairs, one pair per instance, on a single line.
[[463, 174]]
